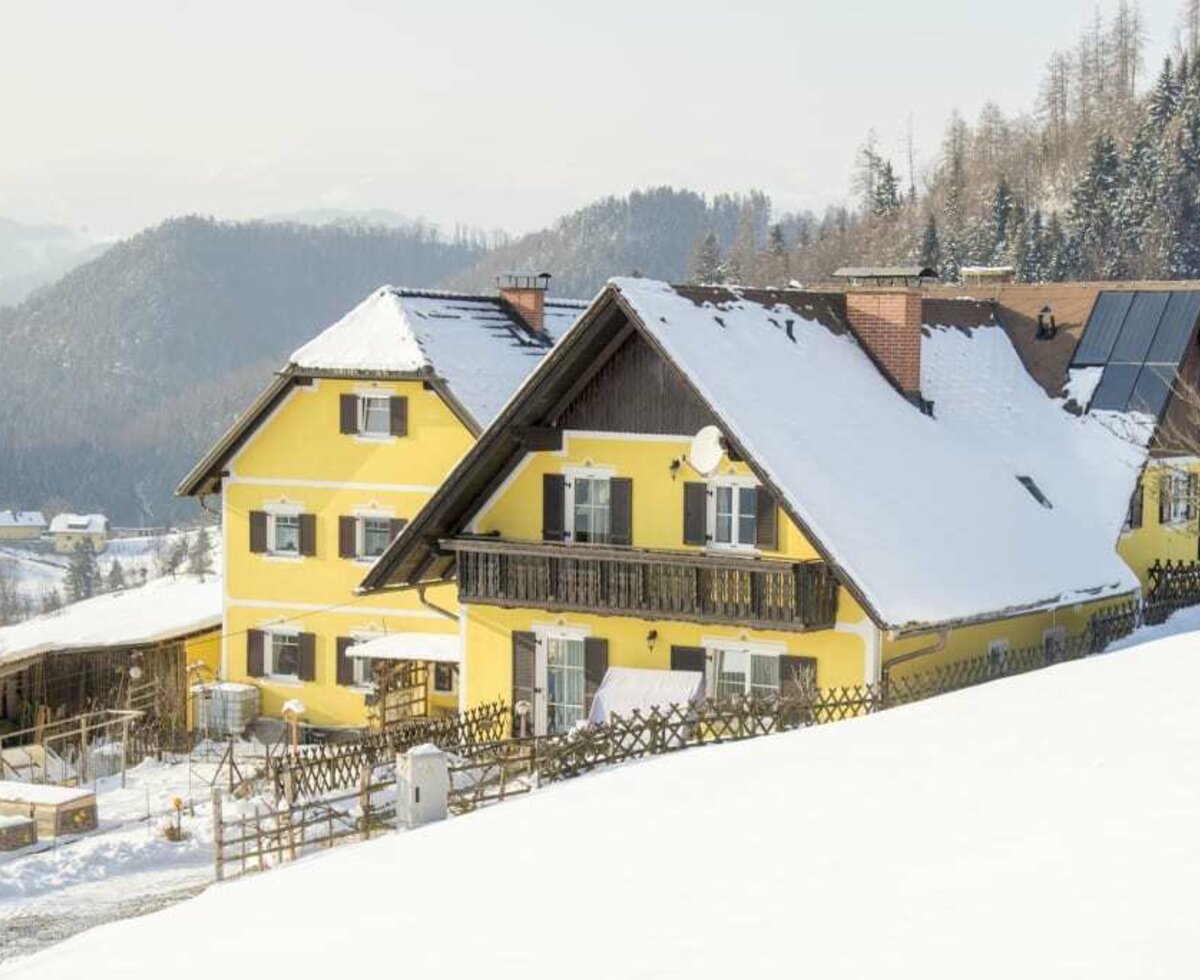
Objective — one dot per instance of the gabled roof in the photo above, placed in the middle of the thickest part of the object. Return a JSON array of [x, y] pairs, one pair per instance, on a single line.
[[22, 518], [79, 524], [473, 350], [922, 520]]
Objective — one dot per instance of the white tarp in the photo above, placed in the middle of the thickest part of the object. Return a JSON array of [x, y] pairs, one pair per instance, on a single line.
[[442, 648], [626, 688]]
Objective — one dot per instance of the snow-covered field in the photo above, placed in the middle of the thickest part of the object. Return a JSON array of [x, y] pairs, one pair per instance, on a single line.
[[1040, 826]]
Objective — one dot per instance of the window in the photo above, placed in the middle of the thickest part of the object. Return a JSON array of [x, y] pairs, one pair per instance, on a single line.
[[744, 673], [283, 656], [589, 500], [1175, 490], [375, 535], [733, 514], [374, 415], [362, 671], [565, 683], [998, 654], [443, 678], [285, 534]]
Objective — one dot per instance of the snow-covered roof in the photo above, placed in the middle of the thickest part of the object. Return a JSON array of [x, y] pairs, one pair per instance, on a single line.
[[476, 344], [1040, 804], [79, 524], [162, 609], [22, 518], [445, 648], [925, 514]]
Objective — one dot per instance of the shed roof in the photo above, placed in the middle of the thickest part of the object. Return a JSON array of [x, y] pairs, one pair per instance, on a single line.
[[79, 524], [22, 518]]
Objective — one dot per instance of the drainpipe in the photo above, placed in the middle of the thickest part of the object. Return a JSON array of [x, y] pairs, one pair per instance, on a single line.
[[436, 608], [937, 647]]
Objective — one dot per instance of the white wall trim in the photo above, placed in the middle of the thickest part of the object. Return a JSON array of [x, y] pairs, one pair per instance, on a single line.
[[569, 434], [348, 607], [269, 481], [562, 629], [753, 646]]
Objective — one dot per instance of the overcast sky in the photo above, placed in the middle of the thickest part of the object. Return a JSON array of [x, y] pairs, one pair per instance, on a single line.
[[117, 114]]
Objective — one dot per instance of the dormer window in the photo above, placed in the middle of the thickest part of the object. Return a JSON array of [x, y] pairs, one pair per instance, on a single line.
[[372, 415]]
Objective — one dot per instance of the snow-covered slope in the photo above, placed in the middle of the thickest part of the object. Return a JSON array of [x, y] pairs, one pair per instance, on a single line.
[[1042, 826]]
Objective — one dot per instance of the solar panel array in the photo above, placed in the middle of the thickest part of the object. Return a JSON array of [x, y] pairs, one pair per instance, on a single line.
[[1139, 338]]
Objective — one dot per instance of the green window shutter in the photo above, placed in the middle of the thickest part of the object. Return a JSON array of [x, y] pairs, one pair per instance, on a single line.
[[524, 677], [308, 534], [308, 656], [348, 415], [688, 658], [553, 506], [347, 537], [695, 513], [595, 666], [621, 510], [258, 532], [345, 668], [797, 676], [766, 525], [254, 653], [398, 407]]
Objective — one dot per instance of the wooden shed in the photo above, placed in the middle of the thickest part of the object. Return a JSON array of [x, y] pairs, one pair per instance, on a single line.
[[56, 810]]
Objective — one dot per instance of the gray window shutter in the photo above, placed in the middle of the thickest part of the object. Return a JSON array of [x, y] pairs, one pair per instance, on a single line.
[[258, 532], [797, 676], [688, 658], [308, 534], [347, 537], [1191, 498], [524, 677], [254, 653], [695, 513], [398, 406], [348, 414], [398, 525], [553, 505], [621, 510], [1164, 496], [308, 656], [345, 669], [1136, 505], [595, 666], [766, 525]]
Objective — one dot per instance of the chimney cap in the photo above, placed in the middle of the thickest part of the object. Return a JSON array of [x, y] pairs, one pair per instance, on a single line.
[[885, 275], [518, 281]]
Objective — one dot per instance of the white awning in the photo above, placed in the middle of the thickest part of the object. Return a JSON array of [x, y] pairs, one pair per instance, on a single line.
[[441, 648], [626, 688]]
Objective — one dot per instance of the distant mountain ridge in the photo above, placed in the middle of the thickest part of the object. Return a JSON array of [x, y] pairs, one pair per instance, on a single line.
[[33, 255]]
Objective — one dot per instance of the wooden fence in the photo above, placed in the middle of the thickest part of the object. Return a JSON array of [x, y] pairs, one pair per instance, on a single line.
[[265, 837], [316, 770], [1173, 585]]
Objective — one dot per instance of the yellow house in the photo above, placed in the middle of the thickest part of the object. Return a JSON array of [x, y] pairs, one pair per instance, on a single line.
[[337, 454], [768, 488], [69, 531], [21, 525]]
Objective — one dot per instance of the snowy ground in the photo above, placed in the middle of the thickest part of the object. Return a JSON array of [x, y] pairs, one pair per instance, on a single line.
[[1039, 826], [39, 571]]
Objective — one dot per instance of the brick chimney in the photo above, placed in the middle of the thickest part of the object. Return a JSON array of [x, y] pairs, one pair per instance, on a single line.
[[526, 296], [887, 322]]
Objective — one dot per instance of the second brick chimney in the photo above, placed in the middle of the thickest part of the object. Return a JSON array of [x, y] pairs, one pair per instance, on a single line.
[[526, 296], [888, 323]]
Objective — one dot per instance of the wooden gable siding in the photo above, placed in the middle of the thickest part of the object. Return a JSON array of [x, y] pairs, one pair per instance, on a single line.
[[636, 390]]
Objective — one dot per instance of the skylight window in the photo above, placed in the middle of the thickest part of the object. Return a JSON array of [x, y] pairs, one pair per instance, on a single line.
[[1035, 491]]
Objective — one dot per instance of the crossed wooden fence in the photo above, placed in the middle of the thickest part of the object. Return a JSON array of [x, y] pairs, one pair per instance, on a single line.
[[1173, 585]]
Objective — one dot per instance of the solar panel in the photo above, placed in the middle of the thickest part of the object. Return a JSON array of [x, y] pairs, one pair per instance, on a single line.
[[1116, 385], [1139, 328], [1175, 329], [1103, 327], [1152, 390]]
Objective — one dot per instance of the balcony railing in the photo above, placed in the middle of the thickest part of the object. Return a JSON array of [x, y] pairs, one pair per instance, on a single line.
[[654, 584]]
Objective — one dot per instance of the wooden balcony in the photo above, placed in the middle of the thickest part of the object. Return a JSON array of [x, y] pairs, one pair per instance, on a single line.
[[753, 592]]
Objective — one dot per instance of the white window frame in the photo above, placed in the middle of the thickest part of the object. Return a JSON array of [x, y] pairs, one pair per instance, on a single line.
[[718, 647], [283, 510], [570, 475], [363, 667], [360, 534], [1176, 484], [736, 484], [271, 635], [543, 634], [374, 396]]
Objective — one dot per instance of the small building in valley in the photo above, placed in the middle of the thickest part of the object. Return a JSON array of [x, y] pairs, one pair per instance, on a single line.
[[21, 525], [69, 531]]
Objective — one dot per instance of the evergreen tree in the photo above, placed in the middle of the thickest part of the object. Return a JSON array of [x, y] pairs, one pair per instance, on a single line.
[[1164, 97], [1035, 267], [174, 557], [706, 261], [200, 556], [115, 581], [931, 248], [886, 192], [51, 601], [83, 574], [1092, 213], [1002, 210], [776, 270]]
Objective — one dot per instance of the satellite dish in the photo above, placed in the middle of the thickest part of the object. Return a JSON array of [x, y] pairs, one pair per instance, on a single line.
[[707, 451]]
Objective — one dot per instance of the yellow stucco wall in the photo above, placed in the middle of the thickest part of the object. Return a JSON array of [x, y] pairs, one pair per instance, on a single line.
[[299, 457], [1155, 541], [20, 533], [65, 542]]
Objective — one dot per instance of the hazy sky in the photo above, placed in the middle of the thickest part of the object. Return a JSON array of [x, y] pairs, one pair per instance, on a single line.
[[507, 114]]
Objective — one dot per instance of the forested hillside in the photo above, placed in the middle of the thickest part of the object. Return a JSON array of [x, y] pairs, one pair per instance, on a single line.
[[115, 378]]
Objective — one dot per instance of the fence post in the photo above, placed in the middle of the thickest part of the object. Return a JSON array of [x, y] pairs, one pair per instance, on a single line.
[[124, 748], [218, 834], [364, 799]]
